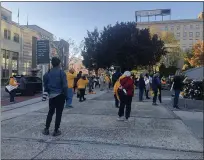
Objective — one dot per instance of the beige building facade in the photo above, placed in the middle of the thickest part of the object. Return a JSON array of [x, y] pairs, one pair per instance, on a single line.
[[18, 46], [187, 31], [11, 44]]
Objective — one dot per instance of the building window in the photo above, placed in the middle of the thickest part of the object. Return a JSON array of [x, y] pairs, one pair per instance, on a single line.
[[4, 17], [197, 34], [185, 27], [191, 34], [172, 28], [197, 26], [7, 34], [185, 34], [191, 26], [178, 27], [16, 37]]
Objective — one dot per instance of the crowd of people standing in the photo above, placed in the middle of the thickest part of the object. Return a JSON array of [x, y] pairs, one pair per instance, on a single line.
[[61, 86]]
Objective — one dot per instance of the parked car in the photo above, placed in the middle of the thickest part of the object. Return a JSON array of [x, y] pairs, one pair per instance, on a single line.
[[33, 85]]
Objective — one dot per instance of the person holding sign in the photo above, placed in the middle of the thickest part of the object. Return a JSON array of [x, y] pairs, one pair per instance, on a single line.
[[11, 89]]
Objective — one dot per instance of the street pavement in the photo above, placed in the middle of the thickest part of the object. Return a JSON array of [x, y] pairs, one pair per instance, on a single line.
[[91, 131]]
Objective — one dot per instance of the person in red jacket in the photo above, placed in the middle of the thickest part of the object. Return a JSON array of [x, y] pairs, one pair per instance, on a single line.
[[126, 93]]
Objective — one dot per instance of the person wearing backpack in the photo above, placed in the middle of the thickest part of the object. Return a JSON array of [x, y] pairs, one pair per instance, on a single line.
[[55, 84]]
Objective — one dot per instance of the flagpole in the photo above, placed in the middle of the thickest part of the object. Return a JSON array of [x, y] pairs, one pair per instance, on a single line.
[[27, 21], [18, 16]]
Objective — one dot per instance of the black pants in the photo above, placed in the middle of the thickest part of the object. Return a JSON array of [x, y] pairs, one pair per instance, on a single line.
[[56, 103], [116, 101], [12, 95], [90, 88], [159, 96], [147, 93], [155, 96], [81, 94], [125, 101]]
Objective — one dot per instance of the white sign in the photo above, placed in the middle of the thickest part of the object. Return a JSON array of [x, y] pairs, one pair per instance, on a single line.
[[146, 13]]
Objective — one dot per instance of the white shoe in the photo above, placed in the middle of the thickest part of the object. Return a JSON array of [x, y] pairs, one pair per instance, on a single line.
[[126, 120], [120, 118]]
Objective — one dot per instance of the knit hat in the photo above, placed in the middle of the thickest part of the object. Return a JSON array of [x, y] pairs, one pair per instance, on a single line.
[[127, 73]]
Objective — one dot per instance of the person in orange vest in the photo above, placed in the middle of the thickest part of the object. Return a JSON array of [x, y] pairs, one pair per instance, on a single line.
[[13, 83]]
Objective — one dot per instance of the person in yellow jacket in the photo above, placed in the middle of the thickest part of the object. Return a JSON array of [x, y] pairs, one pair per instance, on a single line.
[[12, 93], [115, 91], [81, 85], [71, 75]]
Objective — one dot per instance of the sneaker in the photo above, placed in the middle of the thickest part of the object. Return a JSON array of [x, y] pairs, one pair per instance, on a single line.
[[12, 102], [84, 99], [154, 104], [126, 120], [120, 118], [45, 132], [80, 101], [68, 106], [176, 107], [56, 133]]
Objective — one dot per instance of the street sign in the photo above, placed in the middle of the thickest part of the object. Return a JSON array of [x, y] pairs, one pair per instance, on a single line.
[[43, 52]]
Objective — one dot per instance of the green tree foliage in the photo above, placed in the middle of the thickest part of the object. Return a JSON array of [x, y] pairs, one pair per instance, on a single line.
[[121, 45]]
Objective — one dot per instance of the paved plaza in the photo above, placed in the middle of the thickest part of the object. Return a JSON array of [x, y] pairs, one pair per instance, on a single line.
[[91, 131]]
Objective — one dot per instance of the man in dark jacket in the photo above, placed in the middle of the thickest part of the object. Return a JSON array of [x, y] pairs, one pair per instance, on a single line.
[[22, 84], [76, 80], [116, 76], [177, 86], [55, 83], [155, 87], [141, 87]]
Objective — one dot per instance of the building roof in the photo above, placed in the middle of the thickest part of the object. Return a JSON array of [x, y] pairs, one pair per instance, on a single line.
[[170, 21], [37, 28], [6, 9]]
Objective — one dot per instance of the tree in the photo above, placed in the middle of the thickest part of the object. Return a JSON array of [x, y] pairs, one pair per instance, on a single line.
[[197, 59], [74, 49], [121, 45], [187, 56], [172, 45]]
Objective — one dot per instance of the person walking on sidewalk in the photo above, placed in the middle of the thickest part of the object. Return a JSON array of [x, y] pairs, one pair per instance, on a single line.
[[147, 86], [102, 81], [115, 91], [155, 87], [159, 89], [76, 80], [116, 76], [81, 85], [12, 89], [126, 92], [141, 87], [56, 86], [107, 82], [71, 75], [177, 86]]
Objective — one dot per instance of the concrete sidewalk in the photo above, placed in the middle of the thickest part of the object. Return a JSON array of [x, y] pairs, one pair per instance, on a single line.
[[91, 131]]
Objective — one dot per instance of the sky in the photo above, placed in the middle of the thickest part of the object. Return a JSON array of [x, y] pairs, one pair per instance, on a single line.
[[72, 19]]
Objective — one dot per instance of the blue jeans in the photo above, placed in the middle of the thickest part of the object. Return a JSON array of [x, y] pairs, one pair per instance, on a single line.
[[176, 98], [69, 96], [141, 93]]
